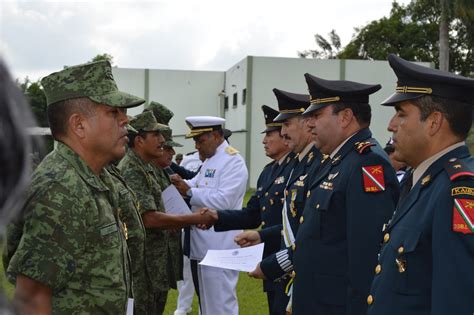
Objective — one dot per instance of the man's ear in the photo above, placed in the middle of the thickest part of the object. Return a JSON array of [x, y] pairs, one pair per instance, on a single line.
[[346, 116], [435, 121], [77, 125]]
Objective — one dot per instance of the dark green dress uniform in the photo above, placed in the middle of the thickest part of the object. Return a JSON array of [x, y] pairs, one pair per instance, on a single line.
[[305, 165], [427, 256]]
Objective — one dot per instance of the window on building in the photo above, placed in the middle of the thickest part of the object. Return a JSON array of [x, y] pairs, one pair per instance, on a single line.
[[234, 103], [226, 103], [244, 96]]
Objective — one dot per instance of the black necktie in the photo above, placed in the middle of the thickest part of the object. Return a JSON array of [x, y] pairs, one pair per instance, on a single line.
[[406, 184]]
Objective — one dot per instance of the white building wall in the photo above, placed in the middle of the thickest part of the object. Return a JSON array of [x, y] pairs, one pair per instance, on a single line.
[[189, 93]]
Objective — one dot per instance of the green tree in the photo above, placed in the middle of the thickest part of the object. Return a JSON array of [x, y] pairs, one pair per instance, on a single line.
[[412, 31], [451, 13], [104, 56], [329, 47], [35, 96]]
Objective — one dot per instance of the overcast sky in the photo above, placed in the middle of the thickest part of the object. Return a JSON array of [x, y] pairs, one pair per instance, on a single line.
[[38, 37]]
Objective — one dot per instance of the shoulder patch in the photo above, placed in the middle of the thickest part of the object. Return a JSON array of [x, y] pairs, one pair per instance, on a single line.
[[362, 147], [457, 169], [231, 150], [373, 178]]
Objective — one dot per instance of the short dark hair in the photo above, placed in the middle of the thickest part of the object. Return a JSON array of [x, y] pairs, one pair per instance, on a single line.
[[458, 114], [59, 113], [361, 111]]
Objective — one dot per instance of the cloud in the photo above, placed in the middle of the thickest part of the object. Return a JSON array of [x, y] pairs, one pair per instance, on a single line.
[[38, 37]]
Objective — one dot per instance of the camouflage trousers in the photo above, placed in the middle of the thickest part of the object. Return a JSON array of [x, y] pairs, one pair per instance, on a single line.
[[150, 303]]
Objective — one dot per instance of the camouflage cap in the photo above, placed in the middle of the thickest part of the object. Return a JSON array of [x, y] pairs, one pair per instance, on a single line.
[[131, 130], [162, 113], [169, 138], [93, 80], [147, 122]]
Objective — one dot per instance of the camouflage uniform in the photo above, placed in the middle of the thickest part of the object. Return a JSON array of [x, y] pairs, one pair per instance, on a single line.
[[141, 177], [129, 214], [70, 237], [72, 241], [175, 260]]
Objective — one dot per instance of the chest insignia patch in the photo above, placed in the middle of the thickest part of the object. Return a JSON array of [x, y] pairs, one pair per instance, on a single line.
[[463, 216], [280, 180], [210, 172], [373, 178]]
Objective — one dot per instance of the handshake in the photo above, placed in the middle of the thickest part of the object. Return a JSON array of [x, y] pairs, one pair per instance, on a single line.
[[205, 218]]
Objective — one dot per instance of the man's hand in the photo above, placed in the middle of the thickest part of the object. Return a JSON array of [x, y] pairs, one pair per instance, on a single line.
[[248, 238], [211, 215], [175, 178], [182, 187], [257, 273]]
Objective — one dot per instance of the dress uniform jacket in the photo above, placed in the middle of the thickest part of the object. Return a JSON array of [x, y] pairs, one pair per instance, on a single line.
[[427, 256], [336, 246], [220, 184], [263, 208], [295, 194]]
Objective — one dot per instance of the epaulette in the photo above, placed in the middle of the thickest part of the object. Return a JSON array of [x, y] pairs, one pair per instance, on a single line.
[[457, 169], [231, 150], [362, 147]]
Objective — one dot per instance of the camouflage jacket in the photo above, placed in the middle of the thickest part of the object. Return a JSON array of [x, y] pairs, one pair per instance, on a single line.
[[134, 231], [141, 178], [72, 240], [176, 251]]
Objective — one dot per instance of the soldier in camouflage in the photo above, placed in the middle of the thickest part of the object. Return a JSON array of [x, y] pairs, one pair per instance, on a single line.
[[141, 177], [71, 256]]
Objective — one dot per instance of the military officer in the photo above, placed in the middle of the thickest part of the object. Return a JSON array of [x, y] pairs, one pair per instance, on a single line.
[[265, 205], [306, 162], [71, 256], [141, 177], [338, 238], [425, 263], [220, 184]]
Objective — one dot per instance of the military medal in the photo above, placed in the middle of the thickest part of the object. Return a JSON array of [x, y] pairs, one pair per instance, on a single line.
[[373, 178]]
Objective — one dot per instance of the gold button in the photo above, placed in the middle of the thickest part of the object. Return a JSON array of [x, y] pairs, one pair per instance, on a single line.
[[282, 200], [276, 193], [317, 206], [266, 194], [264, 208], [370, 299], [263, 223], [378, 269], [401, 250], [286, 193], [293, 247], [386, 237], [301, 219], [281, 232], [293, 274], [308, 194]]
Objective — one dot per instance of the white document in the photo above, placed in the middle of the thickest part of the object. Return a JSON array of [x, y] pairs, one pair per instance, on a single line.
[[129, 307], [241, 259], [174, 203]]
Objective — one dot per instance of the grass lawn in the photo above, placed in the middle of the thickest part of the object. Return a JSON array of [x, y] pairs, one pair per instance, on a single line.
[[252, 299]]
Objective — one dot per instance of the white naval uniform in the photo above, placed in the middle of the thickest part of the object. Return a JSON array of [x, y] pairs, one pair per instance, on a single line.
[[220, 185]]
